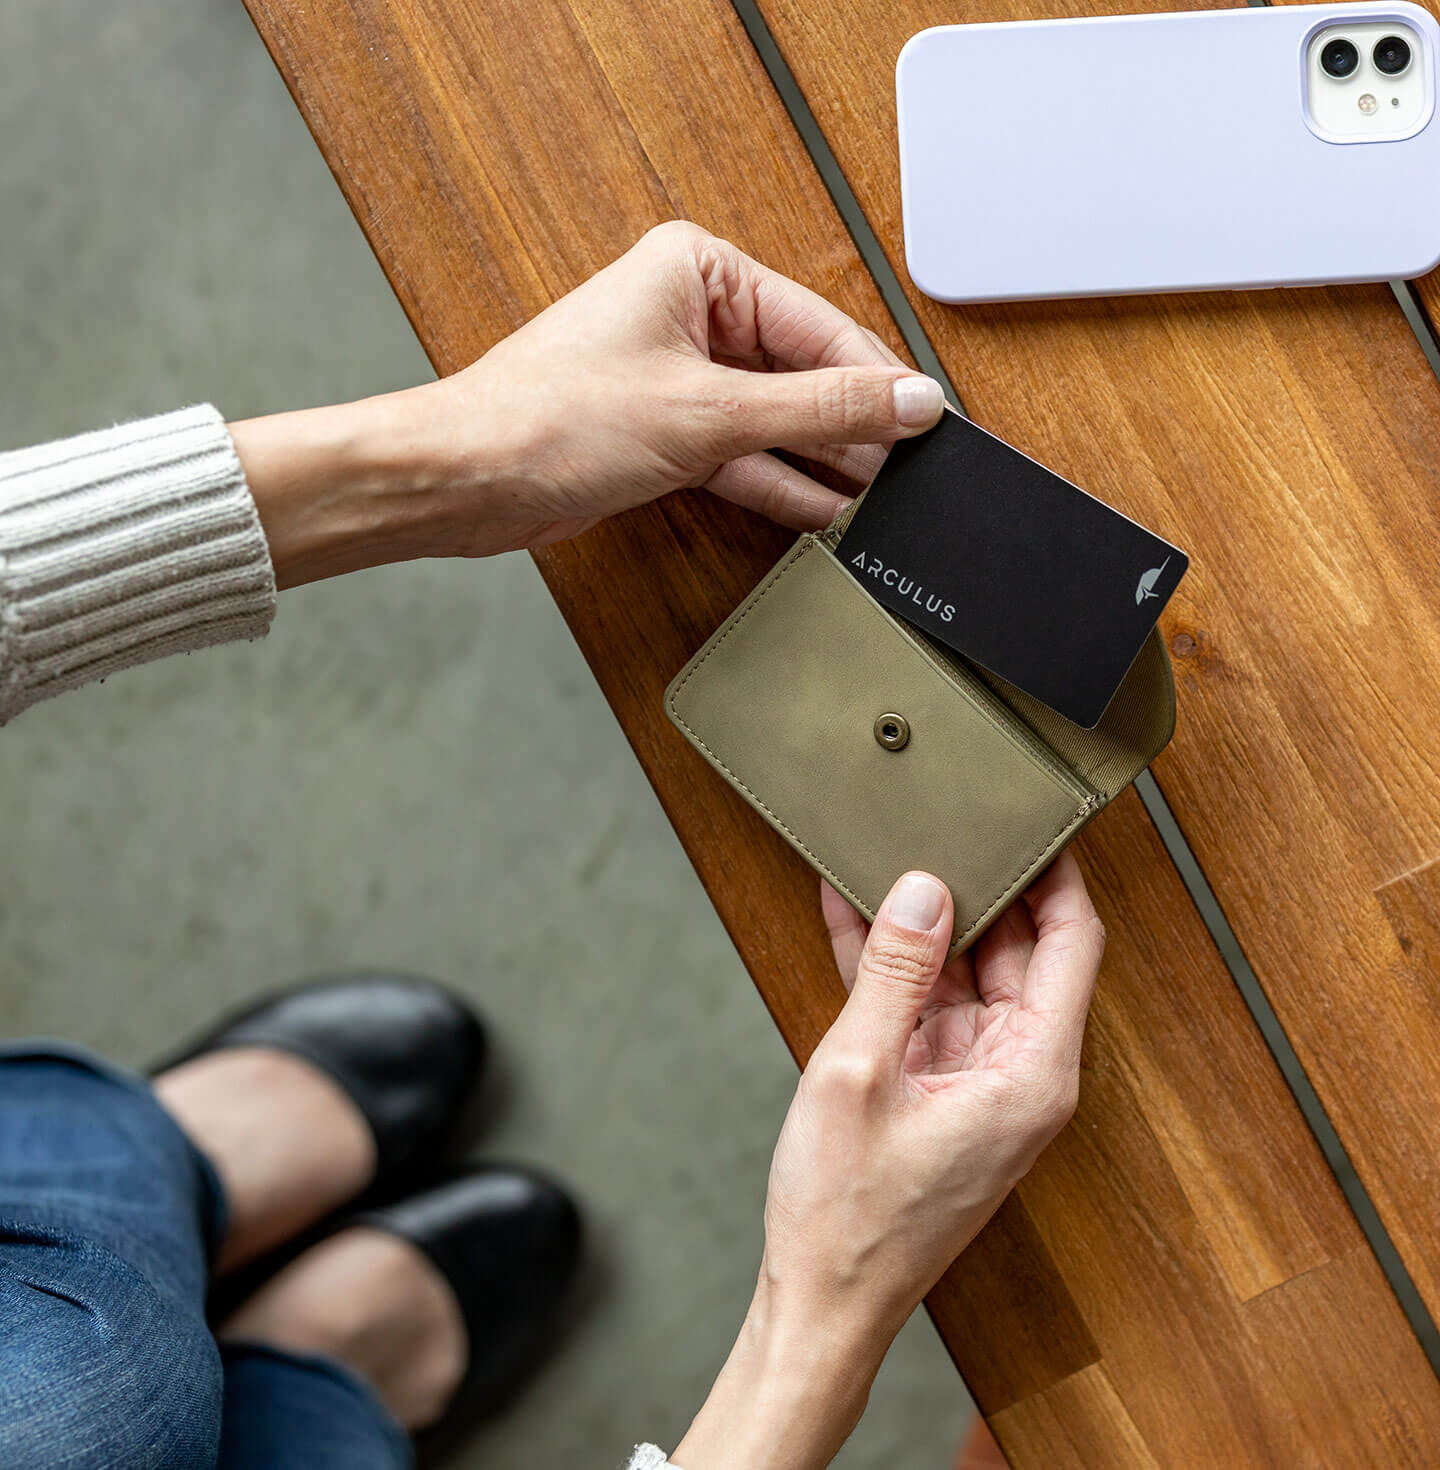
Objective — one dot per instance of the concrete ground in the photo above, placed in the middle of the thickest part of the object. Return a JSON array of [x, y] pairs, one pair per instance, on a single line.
[[415, 768]]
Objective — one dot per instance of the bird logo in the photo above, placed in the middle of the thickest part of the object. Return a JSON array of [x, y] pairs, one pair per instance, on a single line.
[[1146, 586]]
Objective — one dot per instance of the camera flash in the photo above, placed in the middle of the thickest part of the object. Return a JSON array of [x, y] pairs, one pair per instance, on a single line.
[[1367, 104]]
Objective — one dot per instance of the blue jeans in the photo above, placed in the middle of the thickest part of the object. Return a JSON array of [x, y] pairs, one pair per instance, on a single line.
[[108, 1221]]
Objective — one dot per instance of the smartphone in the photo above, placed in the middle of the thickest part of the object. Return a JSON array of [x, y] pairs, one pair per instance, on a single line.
[[1293, 145]]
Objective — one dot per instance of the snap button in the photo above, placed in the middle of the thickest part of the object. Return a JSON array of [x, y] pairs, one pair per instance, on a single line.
[[892, 731]]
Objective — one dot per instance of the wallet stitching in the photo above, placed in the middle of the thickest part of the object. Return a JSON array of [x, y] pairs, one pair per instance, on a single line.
[[779, 821], [1090, 802], [701, 742], [1089, 805]]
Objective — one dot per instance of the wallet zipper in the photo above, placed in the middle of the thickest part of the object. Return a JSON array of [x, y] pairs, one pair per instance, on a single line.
[[987, 699], [836, 529]]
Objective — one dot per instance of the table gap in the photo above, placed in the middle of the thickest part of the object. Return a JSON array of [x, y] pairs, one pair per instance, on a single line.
[[1187, 866]]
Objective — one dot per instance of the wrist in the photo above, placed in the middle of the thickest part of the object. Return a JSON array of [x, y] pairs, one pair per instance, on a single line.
[[358, 484], [855, 1293], [833, 1342], [793, 1388]]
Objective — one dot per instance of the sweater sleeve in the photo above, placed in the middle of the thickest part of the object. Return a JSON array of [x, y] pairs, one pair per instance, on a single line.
[[121, 546], [648, 1457]]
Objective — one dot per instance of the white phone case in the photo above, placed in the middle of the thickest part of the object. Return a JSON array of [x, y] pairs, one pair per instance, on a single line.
[[1153, 153]]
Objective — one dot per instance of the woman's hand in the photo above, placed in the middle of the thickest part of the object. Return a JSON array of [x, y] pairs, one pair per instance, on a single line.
[[933, 1092], [929, 1097], [680, 364]]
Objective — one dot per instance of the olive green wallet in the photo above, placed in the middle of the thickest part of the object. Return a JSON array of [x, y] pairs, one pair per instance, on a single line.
[[874, 750]]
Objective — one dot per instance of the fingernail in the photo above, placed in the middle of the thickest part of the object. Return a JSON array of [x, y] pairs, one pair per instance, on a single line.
[[918, 401], [916, 902]]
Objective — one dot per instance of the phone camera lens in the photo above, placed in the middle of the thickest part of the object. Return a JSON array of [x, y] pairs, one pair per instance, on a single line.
[[1392, 55], [1339, 58]]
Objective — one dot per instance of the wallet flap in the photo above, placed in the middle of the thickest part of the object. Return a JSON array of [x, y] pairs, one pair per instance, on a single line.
[[790, 701]]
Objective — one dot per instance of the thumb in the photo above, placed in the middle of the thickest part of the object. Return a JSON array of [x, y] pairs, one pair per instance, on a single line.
[[900, 963], [840, 405]]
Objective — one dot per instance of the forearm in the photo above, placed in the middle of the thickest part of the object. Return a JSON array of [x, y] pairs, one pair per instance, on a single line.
[[792, 1390], [167, 534]]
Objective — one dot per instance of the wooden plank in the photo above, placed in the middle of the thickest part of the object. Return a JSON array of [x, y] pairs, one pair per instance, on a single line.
[[1331, 1298], [1288, 440], [489, 181], [1081, 1421], [1411, 904], [1008, 1275]]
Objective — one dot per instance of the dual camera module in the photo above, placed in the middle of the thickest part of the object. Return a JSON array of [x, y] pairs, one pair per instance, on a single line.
[[1366, 81], [1340, 58]]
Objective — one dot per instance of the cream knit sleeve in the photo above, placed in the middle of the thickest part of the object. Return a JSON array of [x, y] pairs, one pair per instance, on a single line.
[[647, 1457], [121, 546]]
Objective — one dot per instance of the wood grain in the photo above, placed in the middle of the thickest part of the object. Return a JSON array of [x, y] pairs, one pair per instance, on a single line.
[[498, 154], [1008, 1275], [1081, 1421], [1411, 904]]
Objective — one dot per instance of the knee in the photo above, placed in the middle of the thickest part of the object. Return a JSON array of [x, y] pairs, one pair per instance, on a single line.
[[128, 1379]]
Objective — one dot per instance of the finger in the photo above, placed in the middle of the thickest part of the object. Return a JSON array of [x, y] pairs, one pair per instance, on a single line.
[[884, 350], [1002, 955], [859, 463], [852, 405], [797, 328], [1070, 941], [847, 929], [759, 317], [898, 967], [956, 985], [762, 483]]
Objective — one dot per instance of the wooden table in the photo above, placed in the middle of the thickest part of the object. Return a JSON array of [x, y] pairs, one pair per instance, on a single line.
[[1180, 1281]]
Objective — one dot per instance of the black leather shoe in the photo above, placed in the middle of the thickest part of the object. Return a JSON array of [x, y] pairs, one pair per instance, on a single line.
[[406, 1051], [508, 1241]]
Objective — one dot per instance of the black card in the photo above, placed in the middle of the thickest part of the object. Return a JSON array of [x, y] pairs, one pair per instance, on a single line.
[[1022, 572]]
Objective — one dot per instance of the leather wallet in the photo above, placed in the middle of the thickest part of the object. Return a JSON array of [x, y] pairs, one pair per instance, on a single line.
[[874, 750]]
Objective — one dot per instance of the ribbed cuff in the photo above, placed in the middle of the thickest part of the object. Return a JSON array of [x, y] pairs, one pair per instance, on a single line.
[[121, 546], [647, 1457]]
